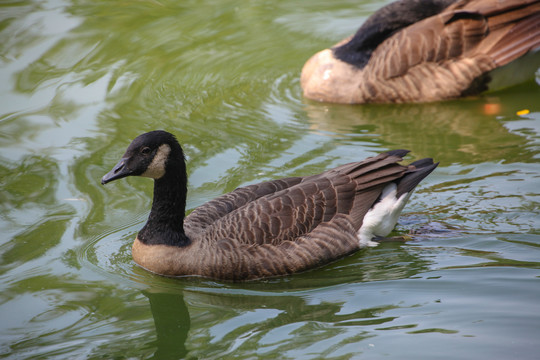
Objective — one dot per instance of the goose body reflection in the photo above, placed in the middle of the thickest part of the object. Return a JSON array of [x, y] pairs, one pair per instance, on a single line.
[[429, 50], [268, 229]]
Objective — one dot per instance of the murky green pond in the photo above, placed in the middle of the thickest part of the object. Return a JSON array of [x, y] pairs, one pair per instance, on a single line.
[[80, 79]]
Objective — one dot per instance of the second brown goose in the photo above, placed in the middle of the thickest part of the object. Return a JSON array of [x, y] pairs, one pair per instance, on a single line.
[[268, 229], [429, 50]]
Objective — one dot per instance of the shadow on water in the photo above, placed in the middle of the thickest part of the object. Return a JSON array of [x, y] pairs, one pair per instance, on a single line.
[[216, 317], [468, 131], [172, 322]]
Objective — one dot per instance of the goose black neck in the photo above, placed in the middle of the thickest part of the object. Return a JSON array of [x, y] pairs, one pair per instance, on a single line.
[[165, 225]]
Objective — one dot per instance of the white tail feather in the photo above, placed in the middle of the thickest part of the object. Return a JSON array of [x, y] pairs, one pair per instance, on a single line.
[[382, 218]]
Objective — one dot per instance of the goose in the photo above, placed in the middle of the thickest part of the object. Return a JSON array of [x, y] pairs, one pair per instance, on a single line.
[[429, 50], [269, 229]]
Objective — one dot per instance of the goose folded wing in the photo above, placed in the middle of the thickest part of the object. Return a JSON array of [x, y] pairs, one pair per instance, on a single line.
[[287, 214], [215, 209], [349, 190]]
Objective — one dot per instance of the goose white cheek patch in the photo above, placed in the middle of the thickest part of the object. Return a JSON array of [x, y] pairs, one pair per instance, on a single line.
[[156, 169]]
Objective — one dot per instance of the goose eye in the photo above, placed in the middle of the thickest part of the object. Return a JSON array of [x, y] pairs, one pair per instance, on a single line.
[[145, 150]]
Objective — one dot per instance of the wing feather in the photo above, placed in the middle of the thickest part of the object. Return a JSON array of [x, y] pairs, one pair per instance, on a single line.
[[442, 56], [209, 212], [297, 210]]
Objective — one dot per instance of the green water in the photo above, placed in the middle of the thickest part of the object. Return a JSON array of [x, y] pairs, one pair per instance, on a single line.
[[80, 79]]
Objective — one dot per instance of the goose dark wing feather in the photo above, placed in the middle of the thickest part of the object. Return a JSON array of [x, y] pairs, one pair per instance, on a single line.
[[427, 61], [447, 52], [435, 40], [508, 10], [327, 242], [210, 211], [417, 172], [294, 211], [443, 56], [284, 215], [522, 38], [364, 172]]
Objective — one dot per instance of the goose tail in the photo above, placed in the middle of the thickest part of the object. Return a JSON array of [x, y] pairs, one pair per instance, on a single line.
[[383, 215], [419, 170]]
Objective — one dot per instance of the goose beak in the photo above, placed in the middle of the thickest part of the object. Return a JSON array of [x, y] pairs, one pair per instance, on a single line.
[[119, 171]]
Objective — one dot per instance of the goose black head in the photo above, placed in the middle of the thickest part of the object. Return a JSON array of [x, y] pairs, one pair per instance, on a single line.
[[148, 155]]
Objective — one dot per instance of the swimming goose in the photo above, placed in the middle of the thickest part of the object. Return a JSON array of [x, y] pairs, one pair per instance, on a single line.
[[429, 50], [268, 229]]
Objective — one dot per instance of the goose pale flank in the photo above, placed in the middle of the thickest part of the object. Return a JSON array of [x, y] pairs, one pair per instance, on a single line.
[[268, 229], [429, 50]]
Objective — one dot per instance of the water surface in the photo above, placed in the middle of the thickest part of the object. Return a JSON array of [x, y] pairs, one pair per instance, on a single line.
[[80, 79]]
